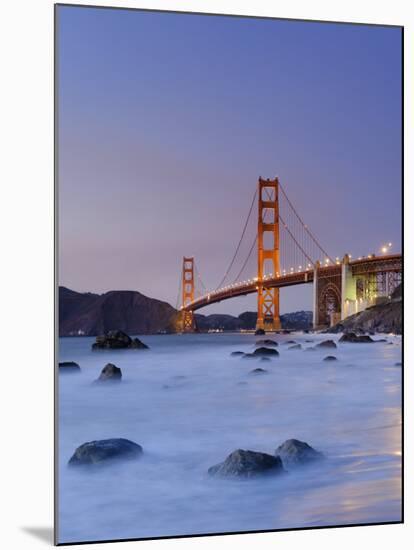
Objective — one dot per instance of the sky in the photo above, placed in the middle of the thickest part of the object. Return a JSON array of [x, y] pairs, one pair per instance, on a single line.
[[166, 121]]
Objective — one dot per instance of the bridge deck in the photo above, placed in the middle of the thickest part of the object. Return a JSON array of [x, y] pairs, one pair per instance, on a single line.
[[374, 264]]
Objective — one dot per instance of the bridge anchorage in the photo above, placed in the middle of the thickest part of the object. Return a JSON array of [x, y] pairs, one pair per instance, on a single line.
[[289, 254]]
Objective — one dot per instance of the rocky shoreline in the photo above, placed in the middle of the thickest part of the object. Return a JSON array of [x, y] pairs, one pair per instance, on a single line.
[[241, 464]]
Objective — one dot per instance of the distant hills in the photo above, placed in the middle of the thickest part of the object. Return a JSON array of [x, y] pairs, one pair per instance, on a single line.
[[130, 311], [299, 320]]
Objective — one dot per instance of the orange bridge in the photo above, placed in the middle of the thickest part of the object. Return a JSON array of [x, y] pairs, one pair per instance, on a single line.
[[341, 287]]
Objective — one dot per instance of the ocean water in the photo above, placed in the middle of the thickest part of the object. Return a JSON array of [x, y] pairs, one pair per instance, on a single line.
[[189, 404]]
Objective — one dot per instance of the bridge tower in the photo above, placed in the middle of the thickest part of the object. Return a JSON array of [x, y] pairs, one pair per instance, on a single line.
[[268, 252], [187, 285]]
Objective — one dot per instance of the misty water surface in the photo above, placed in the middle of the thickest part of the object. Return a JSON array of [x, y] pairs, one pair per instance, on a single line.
[[189, 404]]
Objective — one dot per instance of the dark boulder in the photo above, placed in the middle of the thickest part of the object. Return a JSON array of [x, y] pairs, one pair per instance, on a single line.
[[69, 366], [330, 358], [295, 346], [265, 351], [110, 373], [249, 356], [96, 452], [326, 344], [290, 342], [294, 453], [116, 339], [247, 464], [260, 332], [258, 371], [356, 338], [236, 353], [266, 342]]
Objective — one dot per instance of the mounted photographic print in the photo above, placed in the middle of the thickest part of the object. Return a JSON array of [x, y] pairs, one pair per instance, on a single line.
[[229, 273]]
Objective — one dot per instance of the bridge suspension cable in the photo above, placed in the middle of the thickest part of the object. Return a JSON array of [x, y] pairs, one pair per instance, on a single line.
[[304, 226], [178, 302], [239, 243], [246, 260], [296, 242], [200, 280]]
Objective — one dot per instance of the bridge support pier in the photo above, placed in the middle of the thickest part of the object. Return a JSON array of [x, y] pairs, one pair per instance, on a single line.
[[268, 228], [327, 295], [315, 295]]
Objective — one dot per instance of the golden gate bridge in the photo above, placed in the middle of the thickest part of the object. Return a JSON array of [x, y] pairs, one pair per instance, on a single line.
[[288, 254]]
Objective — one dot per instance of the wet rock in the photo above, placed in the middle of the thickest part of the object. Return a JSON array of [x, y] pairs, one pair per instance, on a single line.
[[266, 342], [354, 338], [294, 453], [295, 346], [103, 450], [308, 341], [290, 342], [265, 351], [258, 371], [69, 366], [380, 340], [326, 344], [330, 358], [249, 356], [260, 332], [116, 339], [236, 353], [247, 464], [264, 358], [110, 373]]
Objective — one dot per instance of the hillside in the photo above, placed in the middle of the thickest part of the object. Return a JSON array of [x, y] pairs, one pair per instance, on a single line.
[[129, 311], [384, 318]]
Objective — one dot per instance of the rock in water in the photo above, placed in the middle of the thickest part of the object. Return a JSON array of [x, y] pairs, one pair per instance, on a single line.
[[295, 346], [260, 332], [265, 351], [258, 371], [235, 353], [110, 373], [330, 358], [247, 464], [294, 452], [326, 344], [69, 366], [266, 343], [355, 338], [116, 339], [96, 452]]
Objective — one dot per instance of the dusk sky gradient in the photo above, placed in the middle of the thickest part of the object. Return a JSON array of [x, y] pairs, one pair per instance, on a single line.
[[166, 121]]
